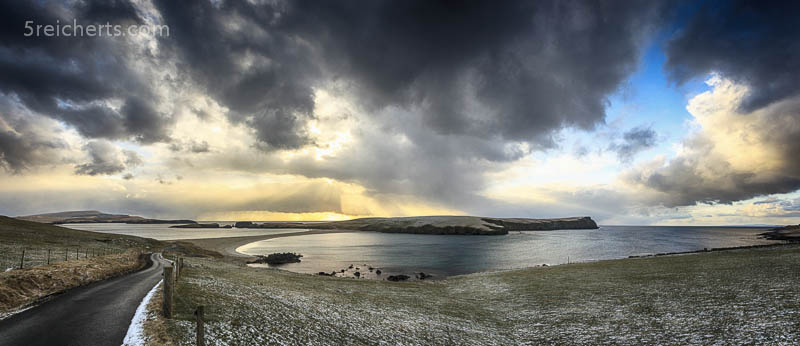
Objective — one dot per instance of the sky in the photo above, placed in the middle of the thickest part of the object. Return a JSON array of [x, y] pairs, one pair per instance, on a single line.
[[632, 112]]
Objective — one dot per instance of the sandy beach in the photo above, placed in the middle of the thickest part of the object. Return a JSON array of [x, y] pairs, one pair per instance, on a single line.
[[228, 246]]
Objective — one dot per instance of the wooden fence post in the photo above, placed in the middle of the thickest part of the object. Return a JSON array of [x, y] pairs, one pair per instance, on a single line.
[[180, 267], [48, 256], [66, 254], [76, 252], [201, 332], [168, 287], [22, 260]]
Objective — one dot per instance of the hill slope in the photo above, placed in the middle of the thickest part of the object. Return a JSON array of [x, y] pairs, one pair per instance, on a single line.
[[472, 225], [93, 216]]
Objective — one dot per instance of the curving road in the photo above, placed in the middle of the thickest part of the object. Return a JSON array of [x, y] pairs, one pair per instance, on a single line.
[[96, 314]]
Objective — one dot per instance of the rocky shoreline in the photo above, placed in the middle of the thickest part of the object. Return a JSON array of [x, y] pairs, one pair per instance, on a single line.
[[788, 233], [365, 271]]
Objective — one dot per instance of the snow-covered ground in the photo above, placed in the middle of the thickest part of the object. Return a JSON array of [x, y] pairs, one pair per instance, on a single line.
[[136, 335], [732, 297]]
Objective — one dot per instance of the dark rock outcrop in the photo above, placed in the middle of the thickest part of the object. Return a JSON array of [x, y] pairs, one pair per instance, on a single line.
[[396, 278], [788, 233], [278, 258]]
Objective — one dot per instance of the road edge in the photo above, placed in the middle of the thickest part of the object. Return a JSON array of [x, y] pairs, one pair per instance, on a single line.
[[135, 335]]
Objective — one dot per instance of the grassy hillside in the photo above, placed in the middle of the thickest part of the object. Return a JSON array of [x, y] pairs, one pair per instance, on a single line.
[[730, 297], [463, 225], [36, 238], [94, 216], [76, 258]]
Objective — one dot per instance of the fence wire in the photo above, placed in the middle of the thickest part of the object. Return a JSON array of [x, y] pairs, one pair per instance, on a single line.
[[14, 256]]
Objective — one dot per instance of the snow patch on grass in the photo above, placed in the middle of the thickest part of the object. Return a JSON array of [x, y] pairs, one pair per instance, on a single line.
[[741, 297]]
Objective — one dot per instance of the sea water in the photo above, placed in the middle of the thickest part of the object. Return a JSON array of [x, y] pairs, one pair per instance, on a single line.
[[446, 255]]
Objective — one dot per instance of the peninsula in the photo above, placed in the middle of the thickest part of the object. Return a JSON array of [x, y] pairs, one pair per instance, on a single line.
[[461, 225]]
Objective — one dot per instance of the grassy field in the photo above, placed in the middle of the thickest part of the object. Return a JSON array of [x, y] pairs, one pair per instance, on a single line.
[[728, 297]]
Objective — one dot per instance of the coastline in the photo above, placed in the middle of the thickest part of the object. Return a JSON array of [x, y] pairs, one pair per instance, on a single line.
[[227, 246]]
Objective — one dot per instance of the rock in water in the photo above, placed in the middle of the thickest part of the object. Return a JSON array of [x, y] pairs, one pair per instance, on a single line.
[[396, 278]]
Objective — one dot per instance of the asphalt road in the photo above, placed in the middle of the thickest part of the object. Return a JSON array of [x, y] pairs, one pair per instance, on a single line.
[[96, 314]]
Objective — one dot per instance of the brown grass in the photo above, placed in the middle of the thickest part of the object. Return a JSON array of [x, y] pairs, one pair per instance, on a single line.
[[21, 288], [155, 326]]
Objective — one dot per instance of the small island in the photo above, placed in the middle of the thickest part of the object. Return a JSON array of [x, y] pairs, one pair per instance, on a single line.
[[277, 258]]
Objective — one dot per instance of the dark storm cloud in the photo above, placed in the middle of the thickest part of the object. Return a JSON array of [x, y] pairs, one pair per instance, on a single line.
[[107, 159], [23, 147], [143, 122], [530, 67], [72, 79], [25, 141], [273, 93], [684, 184], [751, 42], [118, 12], [533, 66], [701, 175], [634, 141]]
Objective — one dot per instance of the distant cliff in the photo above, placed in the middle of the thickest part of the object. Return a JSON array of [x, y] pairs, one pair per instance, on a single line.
[[94, 216], [457, 225]]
